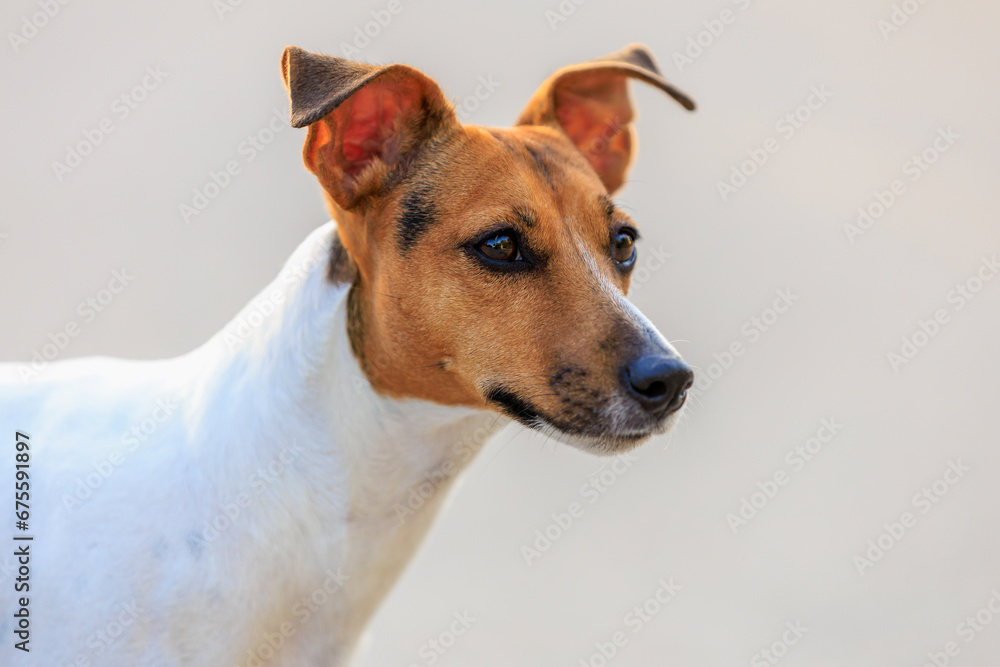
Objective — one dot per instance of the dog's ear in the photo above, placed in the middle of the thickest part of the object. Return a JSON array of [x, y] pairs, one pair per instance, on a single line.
[[366, 122], [591, 103]]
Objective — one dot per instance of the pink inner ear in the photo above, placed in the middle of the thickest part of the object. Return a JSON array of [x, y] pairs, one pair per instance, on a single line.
[[595, 113], [374, 124]]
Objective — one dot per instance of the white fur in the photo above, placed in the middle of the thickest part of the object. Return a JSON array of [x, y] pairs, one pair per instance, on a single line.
[[359, 478]]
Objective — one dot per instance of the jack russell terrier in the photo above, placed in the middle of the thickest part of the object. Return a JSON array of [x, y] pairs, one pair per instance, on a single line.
[[247, 504]]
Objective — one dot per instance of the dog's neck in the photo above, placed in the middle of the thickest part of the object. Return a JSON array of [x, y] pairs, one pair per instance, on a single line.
[[361, 476]]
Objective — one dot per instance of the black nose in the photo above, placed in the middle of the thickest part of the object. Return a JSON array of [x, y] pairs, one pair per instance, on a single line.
[[659, 382]]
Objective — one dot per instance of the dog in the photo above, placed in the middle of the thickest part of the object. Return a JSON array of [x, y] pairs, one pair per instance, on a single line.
[[250, 503]]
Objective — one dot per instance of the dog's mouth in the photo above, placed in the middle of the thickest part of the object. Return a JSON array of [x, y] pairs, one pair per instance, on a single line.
[[602, 425]]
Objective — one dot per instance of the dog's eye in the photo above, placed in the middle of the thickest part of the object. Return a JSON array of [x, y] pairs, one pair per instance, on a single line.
[[500, 248], [624, 250]]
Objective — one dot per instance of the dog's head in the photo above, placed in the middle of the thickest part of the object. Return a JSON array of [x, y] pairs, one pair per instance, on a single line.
[[490, 266]]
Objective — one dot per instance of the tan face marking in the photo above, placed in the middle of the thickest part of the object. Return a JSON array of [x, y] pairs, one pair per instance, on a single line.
[[489, 265]]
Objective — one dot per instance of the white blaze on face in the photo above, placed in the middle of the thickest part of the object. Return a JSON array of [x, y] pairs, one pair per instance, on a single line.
[[622, 305]]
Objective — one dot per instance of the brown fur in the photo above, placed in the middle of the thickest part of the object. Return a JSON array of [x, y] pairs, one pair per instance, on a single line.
[[412, 188]]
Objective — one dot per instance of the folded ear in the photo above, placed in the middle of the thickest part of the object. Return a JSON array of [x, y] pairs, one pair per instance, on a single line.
[[591, 103], [366, 122]]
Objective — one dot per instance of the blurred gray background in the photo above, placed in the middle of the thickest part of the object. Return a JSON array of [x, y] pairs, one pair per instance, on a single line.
[[895, 78]]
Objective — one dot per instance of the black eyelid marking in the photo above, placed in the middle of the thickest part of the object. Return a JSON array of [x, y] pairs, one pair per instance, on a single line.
[[493, 231], [530, 260], [623, 226], [626, 227], [627, 265]]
